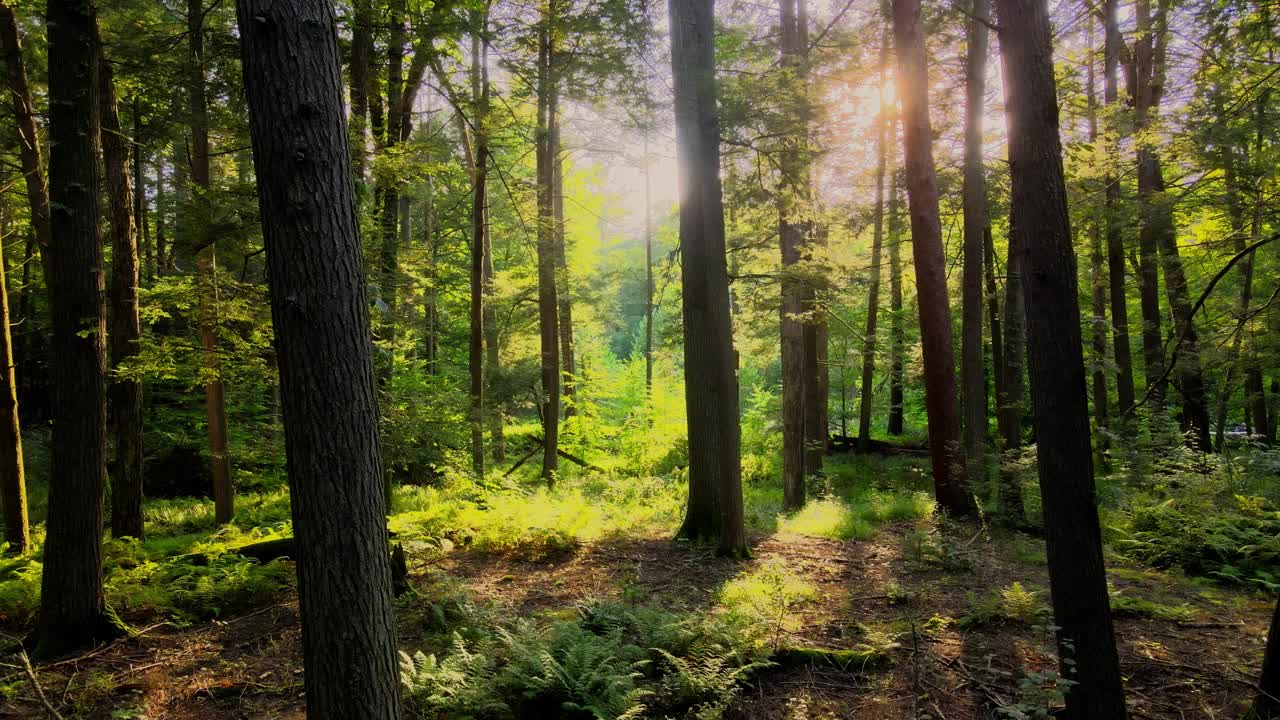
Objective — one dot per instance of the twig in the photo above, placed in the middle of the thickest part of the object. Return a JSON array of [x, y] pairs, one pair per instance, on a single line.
[[35, 682]]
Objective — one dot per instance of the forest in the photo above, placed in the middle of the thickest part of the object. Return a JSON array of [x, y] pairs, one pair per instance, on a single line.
[[612, 359]]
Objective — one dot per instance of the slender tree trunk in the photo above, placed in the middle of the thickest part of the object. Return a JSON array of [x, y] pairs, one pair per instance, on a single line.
[[160, 215], [548, 304], [877, 240], [1151, 216], [13, 479], [1010, 406], [1077, 578], [715, 510], [972, 358], [361, 51], [564, 302], [993, 317], [207, 268], [1255, 398], [147, 265], [1158, 235], [930, 264], [125, 394], [1118, 285], [897, 329], [1097, 272], [389, 188], [72, 610], [29, 151], [479, 204], [314, 265], [648, 271]]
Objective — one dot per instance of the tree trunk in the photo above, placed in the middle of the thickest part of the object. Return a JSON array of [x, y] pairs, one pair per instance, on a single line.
[[361, 50], [1015, 338], [160, 215], [1077, 578], [972, 358], [877, 240], [492, 340], [13, 479], [1158, 235], [72, 611], [479, 177], [207, 268], [993, 317], [1118, 285], [568, 369], [29, 151], [301, 152], [897, 329], [125, 394], [1097, 273], [389, 189], [548, 304], [715, 509], [930, 264], [1266, 706], [147, 261], [648, 271]]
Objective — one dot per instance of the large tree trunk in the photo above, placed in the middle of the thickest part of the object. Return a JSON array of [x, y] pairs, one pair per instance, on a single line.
[[125, 394], [1266, 706], [207, 268], [1117, 284], [972, 358], [301, 152], [930, 264], [479, 177], [1077, 578], [897, 323], [13, 479], [715, 509], [792, 230], [72, 611], [548, 303], [877, 240]]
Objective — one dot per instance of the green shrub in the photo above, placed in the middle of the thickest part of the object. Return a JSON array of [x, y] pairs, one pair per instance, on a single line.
[[1241, 547]]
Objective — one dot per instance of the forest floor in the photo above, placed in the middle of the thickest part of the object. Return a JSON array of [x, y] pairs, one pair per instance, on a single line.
[[959, 610]]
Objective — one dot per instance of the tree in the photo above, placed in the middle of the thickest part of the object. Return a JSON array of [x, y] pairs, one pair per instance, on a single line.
[[72, 609], [972, 358], [1097, 273], [1077, 578], [877, 241], [548, 303], [1266, 706], [124, 393], [302, 154], [715, 509], [13, 479], [206, 254], [897, 329], [930, 265], [1117, 284], [479, 205]]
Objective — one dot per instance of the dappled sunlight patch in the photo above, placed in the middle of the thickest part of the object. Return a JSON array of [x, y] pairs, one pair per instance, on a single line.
[[827, 518]]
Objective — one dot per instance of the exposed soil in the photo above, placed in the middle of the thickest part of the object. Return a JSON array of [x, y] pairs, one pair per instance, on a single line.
[[1201, 666]]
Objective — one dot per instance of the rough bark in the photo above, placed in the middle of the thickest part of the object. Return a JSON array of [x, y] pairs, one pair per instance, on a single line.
[[301, 150], [791, 231], [124, 394], [877, 241], [207, 269], [715, 510], [1266, 706], [13, 479], [72, 612], [1077, 578], [1117, 285], [29, 151], [930, 264], [548, 303], [479, 203], [973, 382]]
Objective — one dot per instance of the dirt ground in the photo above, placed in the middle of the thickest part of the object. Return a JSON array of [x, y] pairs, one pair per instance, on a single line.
[[1200, 665]]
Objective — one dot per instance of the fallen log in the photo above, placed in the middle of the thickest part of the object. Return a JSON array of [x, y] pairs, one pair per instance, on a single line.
[[849, 445]]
